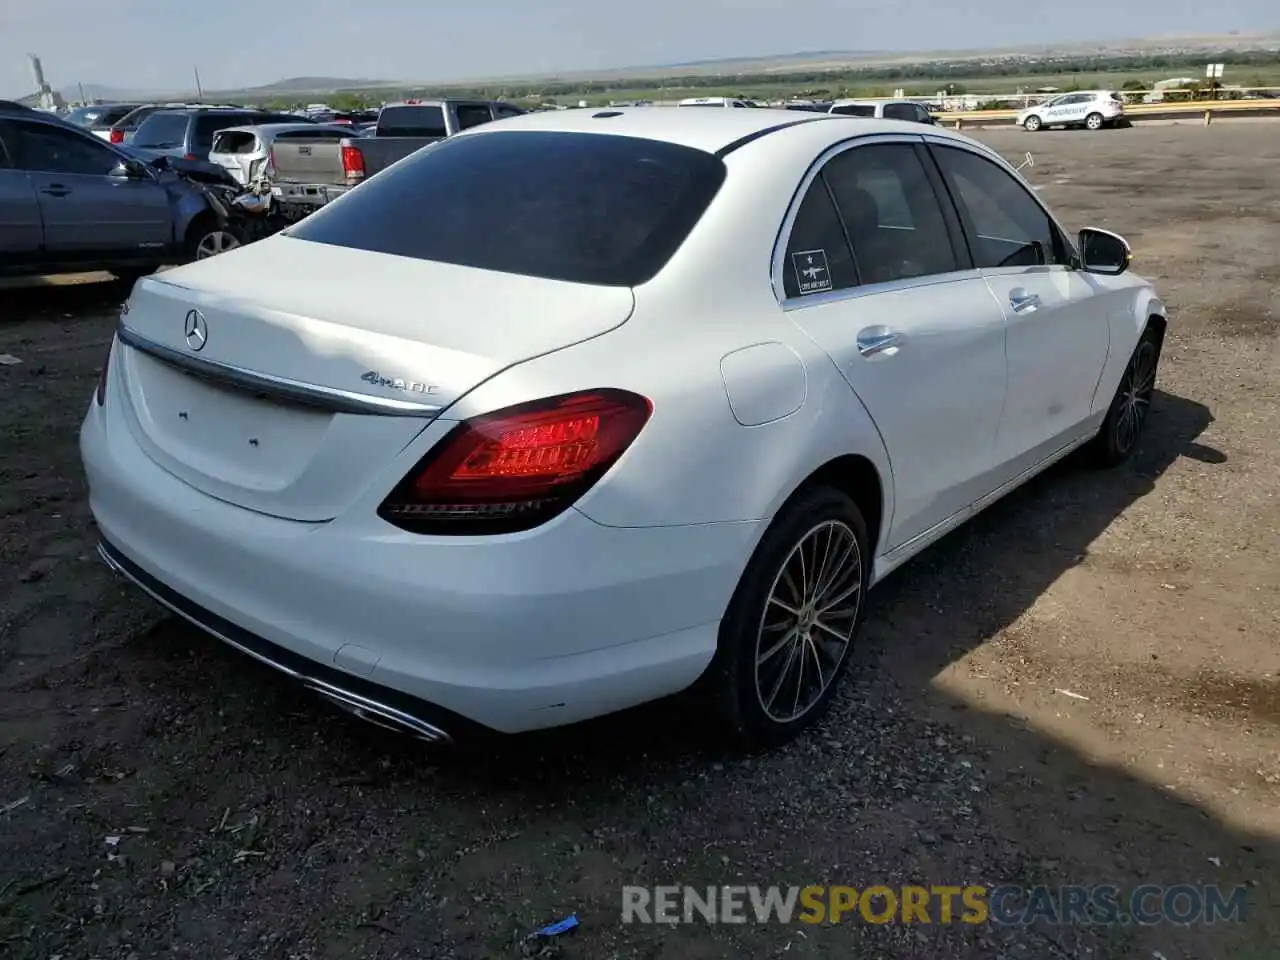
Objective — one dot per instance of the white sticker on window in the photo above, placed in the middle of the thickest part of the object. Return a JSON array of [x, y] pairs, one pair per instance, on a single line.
[[812, 272]]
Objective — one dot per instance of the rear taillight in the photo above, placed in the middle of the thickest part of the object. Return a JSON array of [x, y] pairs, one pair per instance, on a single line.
[[518, 467], [270, 171], [352, 161], [117, 136], [101, 394], [188, 156]]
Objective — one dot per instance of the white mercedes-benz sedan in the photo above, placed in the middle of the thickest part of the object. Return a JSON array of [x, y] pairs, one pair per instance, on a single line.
[[622, 400]]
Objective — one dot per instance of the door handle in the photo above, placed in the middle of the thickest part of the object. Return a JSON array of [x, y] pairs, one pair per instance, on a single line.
[[871, 342], [56, 190], [1023, 302]]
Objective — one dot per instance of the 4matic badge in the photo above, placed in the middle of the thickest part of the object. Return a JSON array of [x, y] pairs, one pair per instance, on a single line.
[[395, 383]]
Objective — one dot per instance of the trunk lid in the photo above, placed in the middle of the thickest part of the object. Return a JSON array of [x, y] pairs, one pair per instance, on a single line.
[[297, 385], [308, 161]]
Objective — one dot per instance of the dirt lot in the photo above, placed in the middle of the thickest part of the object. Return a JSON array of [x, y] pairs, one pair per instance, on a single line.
[[253, 823]]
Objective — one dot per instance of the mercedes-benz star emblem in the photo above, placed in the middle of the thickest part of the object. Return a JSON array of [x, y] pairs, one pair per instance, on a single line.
[[195, 330]]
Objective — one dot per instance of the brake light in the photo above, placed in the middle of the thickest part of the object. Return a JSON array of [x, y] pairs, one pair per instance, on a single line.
[[352, 162], [117, 136], [188, 156], [518, 467]]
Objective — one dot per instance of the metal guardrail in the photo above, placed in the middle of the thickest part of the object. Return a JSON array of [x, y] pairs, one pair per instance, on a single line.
[[1149, 111]]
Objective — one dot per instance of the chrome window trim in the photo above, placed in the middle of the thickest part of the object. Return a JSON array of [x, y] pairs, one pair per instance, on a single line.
[[281, 388]]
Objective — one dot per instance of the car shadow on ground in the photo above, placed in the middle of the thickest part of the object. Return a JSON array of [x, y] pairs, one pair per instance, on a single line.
[[40, 298], [902, 783]]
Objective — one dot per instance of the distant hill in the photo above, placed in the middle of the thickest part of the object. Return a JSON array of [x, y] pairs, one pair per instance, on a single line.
[[813, 60]]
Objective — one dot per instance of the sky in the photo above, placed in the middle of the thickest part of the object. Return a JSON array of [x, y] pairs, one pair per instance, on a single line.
[[154, 44]]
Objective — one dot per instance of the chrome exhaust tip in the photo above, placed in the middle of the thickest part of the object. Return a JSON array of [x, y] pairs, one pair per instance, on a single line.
[[378, 714]]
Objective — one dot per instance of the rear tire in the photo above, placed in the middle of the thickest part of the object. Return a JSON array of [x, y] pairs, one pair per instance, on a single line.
[[1093, 121], [785, 638], [1127, 415]]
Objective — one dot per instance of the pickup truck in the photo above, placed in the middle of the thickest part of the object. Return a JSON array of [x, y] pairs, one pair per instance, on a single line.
[[306, 174]]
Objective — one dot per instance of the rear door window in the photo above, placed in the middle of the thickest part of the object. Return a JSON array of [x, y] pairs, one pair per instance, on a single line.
[[585, 208], [891, 213], [162, 131], [412, 121]]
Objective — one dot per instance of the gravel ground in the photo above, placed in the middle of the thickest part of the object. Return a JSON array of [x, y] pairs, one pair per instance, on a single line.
[[254, 823]]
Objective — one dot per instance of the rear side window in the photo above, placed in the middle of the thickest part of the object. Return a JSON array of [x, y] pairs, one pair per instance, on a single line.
[[855, 110], [585, 208], [818, 259], [162, 131], [425, 121]]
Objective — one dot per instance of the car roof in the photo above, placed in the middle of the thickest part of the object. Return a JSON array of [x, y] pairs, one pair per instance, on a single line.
[[870, 101], [272, 128], [710, 131]]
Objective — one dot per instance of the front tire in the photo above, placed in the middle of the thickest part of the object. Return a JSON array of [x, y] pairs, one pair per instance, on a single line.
[[1093, 121], [785, 638], [1127, 414], [1032, 124], [207, 238]]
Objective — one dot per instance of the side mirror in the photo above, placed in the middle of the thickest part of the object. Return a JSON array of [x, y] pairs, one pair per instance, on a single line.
[[130, 170], [1102, 251]]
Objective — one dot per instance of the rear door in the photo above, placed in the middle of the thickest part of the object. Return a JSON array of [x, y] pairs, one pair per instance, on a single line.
[[21, 233], [1058, 328], [87, 210], [874, 270]]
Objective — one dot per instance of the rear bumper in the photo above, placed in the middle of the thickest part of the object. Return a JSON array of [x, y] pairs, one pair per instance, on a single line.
[[307, 194], [566, 622]]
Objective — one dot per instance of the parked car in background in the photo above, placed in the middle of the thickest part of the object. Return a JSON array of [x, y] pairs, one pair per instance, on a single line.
[[70, 201], [309, 174], [122, 130], [98, 118], [713, 102], [188, 132], [907, 110], [245, 152], [488, 488], [1090, 109]]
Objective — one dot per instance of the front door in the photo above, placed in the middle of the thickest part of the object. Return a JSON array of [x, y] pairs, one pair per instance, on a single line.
[[1058, 328], [21, 234], [873, 273], [89, 210]]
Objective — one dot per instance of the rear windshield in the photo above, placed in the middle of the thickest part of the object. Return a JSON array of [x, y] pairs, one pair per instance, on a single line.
[[162, 131], [110, 115], [426, 121], [586, 208], [234, 141], [855, 109]]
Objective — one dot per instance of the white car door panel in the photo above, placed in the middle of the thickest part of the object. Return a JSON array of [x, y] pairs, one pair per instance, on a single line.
[[1057, 323], [913, 330]]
